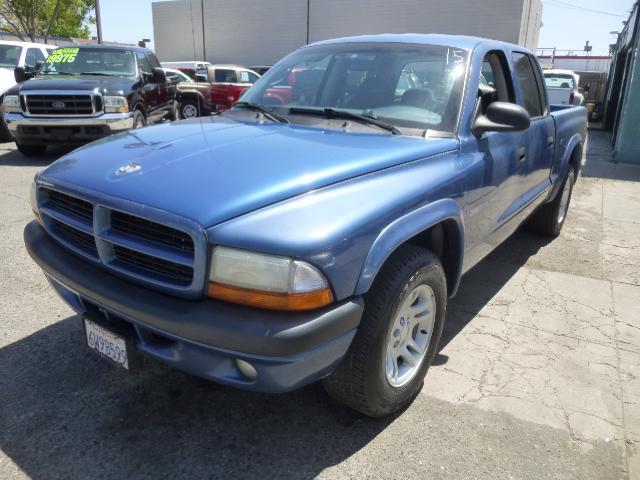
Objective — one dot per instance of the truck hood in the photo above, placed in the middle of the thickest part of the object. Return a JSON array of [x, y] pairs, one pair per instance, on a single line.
[[215, 169], [78, 82], [7, 79]]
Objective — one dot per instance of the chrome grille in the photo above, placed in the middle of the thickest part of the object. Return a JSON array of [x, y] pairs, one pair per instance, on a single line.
[[60, 104], [127, 244]]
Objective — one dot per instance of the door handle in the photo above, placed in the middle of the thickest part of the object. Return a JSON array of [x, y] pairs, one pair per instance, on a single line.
[[551, 141], [521, 154]]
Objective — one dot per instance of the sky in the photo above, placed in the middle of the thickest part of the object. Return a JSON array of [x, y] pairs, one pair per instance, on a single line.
[[563, 28]]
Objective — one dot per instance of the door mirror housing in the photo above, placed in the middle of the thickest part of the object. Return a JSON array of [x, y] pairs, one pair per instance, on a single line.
[[502, 117], [20, 74], [159, 76]]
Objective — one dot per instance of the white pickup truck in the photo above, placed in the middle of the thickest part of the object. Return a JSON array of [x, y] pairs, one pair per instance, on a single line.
[[18, 54], [562, 86]]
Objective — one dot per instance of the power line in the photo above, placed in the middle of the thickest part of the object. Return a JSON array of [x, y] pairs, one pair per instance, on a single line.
[[571, 6]]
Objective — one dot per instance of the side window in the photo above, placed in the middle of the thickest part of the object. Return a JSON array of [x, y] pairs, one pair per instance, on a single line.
[[143, 63], [495, 81], [31, 58], [528, 84], [537, 70], [253, 78], [225, 76], [244, 76], [153, 61]]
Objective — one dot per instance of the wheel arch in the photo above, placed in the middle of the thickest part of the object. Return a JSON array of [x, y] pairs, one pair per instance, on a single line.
[[571, 158], [437, 226]]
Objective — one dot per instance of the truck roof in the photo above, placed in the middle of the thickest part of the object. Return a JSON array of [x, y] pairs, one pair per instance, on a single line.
[[462, 41], [17, 43]]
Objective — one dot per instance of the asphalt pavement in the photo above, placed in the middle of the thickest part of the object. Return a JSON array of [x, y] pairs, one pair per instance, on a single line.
[[538, 376]]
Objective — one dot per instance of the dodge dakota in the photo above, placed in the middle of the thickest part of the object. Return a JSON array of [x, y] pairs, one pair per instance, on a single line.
[[317, 236]]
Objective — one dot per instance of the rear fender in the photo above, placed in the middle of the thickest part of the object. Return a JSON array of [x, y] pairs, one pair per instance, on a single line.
[[407, 227], [560, 169]]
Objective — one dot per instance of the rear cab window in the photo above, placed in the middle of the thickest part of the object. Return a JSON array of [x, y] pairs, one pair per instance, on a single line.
[[223, 75]]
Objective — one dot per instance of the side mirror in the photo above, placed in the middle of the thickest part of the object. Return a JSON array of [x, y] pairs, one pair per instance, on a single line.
[[502, 117], [159, 76], [20, 74], [39, 66]]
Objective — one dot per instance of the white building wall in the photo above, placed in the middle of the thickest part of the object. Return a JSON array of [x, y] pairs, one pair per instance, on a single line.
[[254, 32]]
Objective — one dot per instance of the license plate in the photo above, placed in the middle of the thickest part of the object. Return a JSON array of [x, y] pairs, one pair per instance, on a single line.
[[106, 343]]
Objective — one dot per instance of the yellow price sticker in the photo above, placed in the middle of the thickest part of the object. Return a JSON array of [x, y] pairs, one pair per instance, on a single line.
[[63, 55]]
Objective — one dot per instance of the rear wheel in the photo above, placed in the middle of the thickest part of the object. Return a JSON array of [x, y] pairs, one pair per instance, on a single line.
[[31, 150], [550, 218], [397, 338]]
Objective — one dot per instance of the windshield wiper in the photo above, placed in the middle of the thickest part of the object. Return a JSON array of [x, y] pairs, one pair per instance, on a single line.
[[266, 111], [58, 73], [359, 117], [99, 74]]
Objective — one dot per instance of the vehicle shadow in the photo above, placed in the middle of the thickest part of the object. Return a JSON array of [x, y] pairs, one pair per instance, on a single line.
[[11, 157], [67, 414]]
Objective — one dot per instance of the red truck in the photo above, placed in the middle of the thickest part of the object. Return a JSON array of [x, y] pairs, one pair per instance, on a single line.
[[228, 82]]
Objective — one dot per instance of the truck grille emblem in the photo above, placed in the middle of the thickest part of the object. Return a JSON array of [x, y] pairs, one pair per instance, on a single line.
[[128, 168], [58, 105]]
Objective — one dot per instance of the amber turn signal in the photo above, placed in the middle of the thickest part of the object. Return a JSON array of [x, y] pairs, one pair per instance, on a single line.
[[294, 302]]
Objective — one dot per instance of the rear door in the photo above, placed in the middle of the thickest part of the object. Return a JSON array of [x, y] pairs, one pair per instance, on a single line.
[[221, 88], [531, 94], [165, 90], [495, 178]]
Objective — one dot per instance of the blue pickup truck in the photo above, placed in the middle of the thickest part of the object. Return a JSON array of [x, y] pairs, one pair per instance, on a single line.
[[316, 230]]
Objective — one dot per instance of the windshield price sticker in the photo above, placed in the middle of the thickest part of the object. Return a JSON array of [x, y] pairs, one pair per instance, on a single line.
[[63, 55]]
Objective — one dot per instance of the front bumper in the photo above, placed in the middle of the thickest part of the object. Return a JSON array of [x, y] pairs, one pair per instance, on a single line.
[[205, 337], [65, 130]]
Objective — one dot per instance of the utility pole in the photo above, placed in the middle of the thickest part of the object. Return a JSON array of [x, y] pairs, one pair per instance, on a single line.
[[204, 42], [98, 23]]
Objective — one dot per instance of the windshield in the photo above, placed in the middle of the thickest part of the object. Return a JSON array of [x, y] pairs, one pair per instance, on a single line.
[[90, 61], [9, 55], [405, 85], [555, 80]]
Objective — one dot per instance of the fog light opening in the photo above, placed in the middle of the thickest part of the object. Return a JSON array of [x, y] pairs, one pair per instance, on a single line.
[[247, 369]]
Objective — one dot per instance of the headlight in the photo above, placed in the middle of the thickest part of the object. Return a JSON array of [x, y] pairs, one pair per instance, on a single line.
[[33, 197], [11, 103], [266, 281], [115, 104]]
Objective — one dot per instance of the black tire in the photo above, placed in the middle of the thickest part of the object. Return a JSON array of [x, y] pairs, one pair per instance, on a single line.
[[5, 134], [139, 120], [174, 112], [31, 150], [360, 381], [188, 107], [548, 220]]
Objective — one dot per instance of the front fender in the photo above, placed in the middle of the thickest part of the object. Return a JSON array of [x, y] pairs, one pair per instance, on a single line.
[[407, 227]]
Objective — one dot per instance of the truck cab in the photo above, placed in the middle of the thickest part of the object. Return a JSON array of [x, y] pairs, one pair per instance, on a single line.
[[228, 83], [85, 93]]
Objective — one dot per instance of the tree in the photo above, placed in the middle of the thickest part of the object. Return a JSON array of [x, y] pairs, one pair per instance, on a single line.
[[28, 19]]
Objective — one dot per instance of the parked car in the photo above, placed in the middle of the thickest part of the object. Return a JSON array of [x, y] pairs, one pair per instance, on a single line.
[[190, 64], [86, 93], [260, 69], [28, 55], [563, 87], [195, 97], [272, 246], [228, 83]]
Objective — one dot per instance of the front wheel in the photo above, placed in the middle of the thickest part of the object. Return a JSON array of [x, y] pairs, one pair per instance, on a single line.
[[139, 121], [31, 150], [397, 338], [189, 109]]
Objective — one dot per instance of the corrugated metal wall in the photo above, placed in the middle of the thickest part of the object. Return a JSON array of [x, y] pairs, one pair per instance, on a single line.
[[254, 32]]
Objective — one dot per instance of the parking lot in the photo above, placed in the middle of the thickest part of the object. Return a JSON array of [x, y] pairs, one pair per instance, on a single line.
[[538, 374]]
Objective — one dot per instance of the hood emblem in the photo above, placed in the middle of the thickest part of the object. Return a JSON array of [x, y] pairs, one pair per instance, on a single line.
[[58, 105], [128, 168]]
